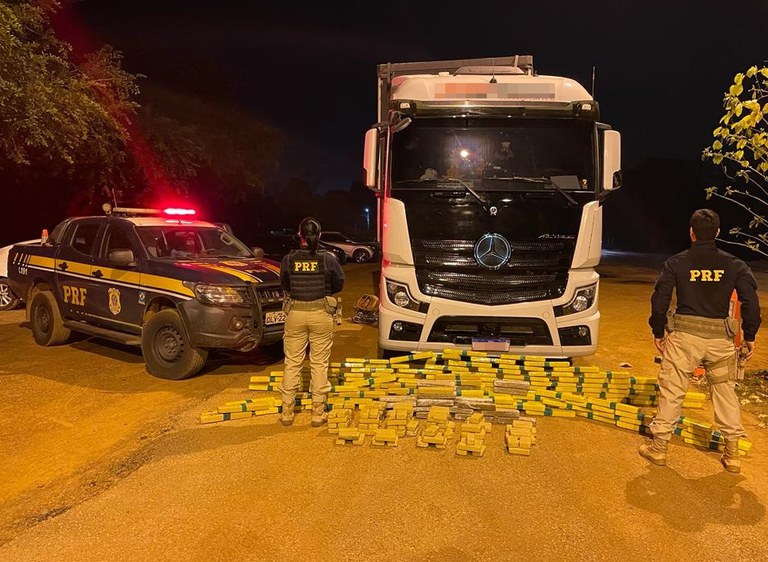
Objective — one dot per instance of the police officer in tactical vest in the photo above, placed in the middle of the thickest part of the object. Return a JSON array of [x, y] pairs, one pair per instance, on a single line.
[[699, 331], [311, 277]]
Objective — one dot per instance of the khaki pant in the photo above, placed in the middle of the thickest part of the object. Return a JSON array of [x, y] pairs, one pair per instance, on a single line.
[[313, 329], [683, 353]]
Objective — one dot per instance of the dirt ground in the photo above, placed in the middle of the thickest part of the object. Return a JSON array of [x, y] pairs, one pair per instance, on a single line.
[[103, 462]]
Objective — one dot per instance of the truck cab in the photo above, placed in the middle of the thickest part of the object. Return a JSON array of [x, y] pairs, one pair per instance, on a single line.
[[490, 180]]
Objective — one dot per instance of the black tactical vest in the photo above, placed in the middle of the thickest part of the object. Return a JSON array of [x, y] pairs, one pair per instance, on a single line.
[[307, 275]]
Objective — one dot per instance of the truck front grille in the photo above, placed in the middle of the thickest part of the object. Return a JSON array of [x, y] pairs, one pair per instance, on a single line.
[[537, 270]]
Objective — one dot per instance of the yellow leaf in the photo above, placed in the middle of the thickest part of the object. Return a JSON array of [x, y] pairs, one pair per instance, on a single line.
[[717, 158], [744, 164], [737, 110], [742, 143], [738, 155], [717, 145], [716, 132], [738, 79], [764, 72], [752, 71], [763, 167], [736, 90]]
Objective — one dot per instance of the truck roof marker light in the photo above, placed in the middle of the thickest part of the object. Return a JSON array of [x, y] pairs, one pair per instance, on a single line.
[[179, 212]]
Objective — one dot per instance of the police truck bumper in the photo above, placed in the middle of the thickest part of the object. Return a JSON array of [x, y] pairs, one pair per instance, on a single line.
[[230, 327]]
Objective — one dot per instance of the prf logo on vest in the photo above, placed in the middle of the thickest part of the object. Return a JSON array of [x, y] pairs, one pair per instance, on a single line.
[[305, 266], [706, 274]]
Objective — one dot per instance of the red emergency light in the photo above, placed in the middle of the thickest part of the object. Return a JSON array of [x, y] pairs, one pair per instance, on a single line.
[[179, 212]]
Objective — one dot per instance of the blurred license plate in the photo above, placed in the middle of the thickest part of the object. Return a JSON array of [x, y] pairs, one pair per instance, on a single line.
[[490, 344], [277, 317]]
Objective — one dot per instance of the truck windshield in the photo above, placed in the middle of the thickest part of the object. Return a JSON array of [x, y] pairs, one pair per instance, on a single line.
[[494, 154], [187, 242]]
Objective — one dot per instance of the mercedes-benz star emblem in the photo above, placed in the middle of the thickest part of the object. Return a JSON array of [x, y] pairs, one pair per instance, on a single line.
[[492, 251]]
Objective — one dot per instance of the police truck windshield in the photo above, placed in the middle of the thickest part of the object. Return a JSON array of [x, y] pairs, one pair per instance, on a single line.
[[494, 154], [187, 242]]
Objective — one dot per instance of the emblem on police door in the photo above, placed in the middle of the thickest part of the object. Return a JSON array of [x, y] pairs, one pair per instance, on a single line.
[[114, 301]]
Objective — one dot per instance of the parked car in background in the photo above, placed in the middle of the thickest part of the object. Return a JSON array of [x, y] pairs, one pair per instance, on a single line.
[[277, 243], [8, 299], [357, 251]]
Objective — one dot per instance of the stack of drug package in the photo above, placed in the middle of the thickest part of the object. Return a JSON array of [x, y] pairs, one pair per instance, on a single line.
[[399, 418], [520, 436], [644, 391], [400, 382], [701, 434], [475, 376], [268, 385], [440, 391], [359, 382], [370, 417], [242, 409], [506, 395], [438, 429], [340, 424], [339, 418], [473, 432]]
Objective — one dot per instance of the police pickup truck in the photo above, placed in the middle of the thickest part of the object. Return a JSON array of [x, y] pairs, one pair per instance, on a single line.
[[174, 286]]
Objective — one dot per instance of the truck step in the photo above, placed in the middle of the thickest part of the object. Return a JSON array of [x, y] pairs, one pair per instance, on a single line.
[[106, 333]]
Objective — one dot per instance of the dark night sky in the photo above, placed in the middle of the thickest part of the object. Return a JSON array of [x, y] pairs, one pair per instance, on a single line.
[[661, 67]]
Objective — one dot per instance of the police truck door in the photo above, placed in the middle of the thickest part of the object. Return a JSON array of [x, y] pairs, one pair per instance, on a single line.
[[73, 268], [115, 302]]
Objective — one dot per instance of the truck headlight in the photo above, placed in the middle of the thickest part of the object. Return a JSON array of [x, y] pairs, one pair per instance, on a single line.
[[581, 301], [218, 294], [398, 294]]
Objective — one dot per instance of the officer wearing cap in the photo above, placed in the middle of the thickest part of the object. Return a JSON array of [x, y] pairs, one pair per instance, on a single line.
[[311, 277], [703, 279]]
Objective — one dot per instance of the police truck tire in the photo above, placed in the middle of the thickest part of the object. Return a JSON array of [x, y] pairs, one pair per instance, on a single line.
[[166, 347], [360, 256], [45, 318]]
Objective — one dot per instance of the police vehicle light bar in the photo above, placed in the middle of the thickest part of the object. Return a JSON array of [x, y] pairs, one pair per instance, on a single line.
[[134, 211], [176, 211]]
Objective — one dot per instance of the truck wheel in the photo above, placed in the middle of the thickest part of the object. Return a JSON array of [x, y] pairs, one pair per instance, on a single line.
[[166, 349], [8, 300], [360, 255], [45, 317]]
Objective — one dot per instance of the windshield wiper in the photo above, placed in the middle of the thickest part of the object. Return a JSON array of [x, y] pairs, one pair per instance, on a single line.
[[482, 200], [540, 180]]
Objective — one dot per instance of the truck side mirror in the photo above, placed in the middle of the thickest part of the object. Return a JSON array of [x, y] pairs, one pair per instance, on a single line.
[[611, 160], [370, 157]]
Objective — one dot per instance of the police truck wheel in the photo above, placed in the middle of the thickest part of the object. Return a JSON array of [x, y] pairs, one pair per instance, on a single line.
[[8, 300], [167, 350], [360, 256], [45, 317]]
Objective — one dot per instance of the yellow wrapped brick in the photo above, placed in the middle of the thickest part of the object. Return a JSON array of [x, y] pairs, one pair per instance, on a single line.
[[211, 417], [519, 451]]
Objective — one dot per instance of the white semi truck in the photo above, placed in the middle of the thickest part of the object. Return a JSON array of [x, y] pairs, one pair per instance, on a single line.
[[490, 180]]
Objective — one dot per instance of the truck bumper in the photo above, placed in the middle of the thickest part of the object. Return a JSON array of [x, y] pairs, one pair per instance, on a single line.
[[532, 328]]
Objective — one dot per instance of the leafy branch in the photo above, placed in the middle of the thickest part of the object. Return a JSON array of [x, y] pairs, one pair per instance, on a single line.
[[740, 148]]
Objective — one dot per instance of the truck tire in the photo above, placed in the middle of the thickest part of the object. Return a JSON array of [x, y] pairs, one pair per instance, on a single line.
[[166, 347], [45, 318]]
